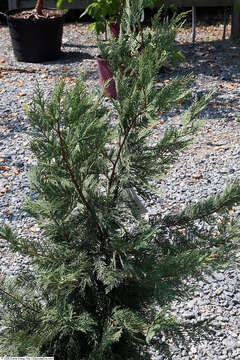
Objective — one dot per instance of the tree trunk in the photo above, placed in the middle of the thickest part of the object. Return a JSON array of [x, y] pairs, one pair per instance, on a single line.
[[39, 7]]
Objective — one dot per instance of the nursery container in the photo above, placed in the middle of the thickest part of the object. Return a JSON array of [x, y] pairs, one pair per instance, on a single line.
[[105, 74], [36, 40], [115, 29]]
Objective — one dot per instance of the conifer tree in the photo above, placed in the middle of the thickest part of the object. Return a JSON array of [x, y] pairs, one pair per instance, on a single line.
[[102, 274]]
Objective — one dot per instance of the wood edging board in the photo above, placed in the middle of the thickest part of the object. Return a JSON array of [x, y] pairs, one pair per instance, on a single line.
[[199, 3], [81, 4]]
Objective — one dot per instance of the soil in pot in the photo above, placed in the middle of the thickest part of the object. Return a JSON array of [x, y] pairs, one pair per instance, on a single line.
[[36, 39]]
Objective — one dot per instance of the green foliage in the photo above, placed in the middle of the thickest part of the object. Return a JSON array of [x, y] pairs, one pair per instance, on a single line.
[[134, 39], [103, 275], [103, 11], [237, 4], [106, 11]]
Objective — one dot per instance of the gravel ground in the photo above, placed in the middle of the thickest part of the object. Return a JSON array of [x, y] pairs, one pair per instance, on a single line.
[[203, 168]]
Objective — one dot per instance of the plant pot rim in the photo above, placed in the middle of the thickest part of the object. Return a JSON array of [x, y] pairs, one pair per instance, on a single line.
[[100, 58], [61, 14]]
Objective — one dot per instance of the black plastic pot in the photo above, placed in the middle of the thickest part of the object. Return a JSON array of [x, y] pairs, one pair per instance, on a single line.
[[36, 40]]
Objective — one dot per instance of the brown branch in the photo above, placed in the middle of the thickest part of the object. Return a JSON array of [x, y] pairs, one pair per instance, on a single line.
[[23, 304], [26, 251], [122, 145], [39, 6], [4, 68], [184, 222], [77, 187], [134, 330]]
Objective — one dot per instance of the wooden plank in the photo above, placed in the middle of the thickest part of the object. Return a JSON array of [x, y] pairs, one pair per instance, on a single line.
[[194, 23], [77, 4], [235, 27], [12, 4], [224, 24], [199, 3]]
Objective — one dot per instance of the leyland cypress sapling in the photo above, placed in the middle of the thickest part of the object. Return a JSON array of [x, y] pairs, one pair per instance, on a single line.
[[102, 274]]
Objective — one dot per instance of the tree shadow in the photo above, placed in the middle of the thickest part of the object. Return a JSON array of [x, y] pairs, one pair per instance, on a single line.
[[219, 59], [76, 56], [70, 57], [79, 46], [215, 66]]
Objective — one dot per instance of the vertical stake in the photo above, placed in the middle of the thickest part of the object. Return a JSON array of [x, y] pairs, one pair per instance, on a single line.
[[193, 24], [235, 29], [224, 23]]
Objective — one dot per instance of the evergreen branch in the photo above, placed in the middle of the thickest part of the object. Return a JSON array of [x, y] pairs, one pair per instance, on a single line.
[[74, 181], [20, 302], [206, 208], [26, 251], [7, 234], [122, 145], [77, 187], [135, 330]]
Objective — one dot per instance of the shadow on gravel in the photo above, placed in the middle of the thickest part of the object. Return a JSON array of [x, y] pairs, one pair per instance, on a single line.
[[79, 46], [76, 56], [71, 57], [219, 59], [216, 63]]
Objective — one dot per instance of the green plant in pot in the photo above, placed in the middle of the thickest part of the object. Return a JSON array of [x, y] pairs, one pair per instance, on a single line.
[[36, 33], [134, 38], [108, 13]]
